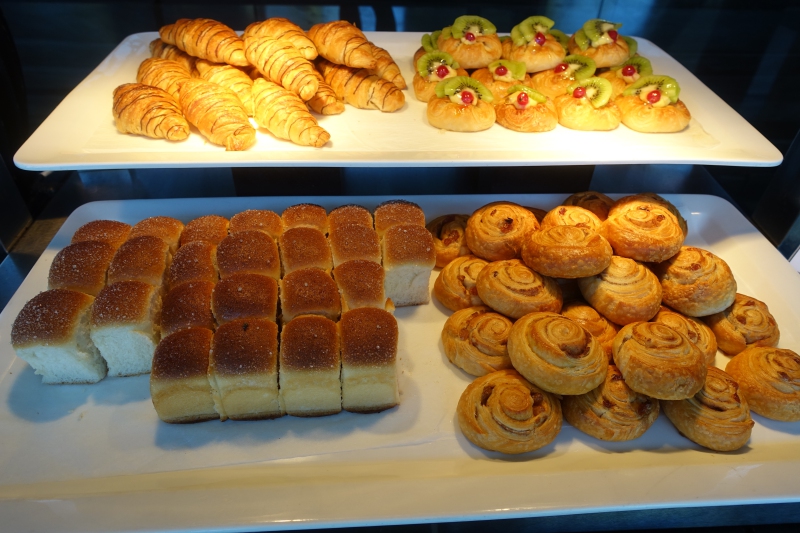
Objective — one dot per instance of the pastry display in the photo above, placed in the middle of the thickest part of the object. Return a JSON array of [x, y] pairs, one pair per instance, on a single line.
[[144, 110], [589, 319], [475, 340], [206, 39], [218, 113], [230, 77], [360, 88], [461, 104], [553, 82], [596, 202], [643, 230], [513, 289], [165, 74], [408, 257], [600, 40], [455, 286], [693, 329], [284, 115], [769, 378], [566, 252], [431, 68], [449, 237], [587, 106], [526, 110], [472, 41], [625, 292], [651, 105], [499, 76], [532, 44], [570, 215], [341, 43], [747, 322], [625, 74], [497, 230]]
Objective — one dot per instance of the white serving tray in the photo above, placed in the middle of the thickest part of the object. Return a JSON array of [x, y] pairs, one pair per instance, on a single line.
[[96, 457], [80, 133]]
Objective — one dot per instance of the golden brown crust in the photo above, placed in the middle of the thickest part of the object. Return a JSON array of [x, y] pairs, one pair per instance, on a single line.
[[354, 241], [643, 117], [282, 28], [159, 48], [196, 261], [504, 412], [167, 229], [305, 215], [596, 202], [644, 198], [360, 284], [208, 228], [81, 266], [244, 347], [165, 74], [695, 330], [618, 85], [108, 231], [625, 292], [550, 83], [368, 337], [747, 322], [645, 231], [142, 258], [455, 285], [309, 291], [605, 55], [259, 219], [187, 304], [566, 252], [207, 39], [250, 251], [535, 56], [123, 302], [218, 113], [343, 43], [477, 54], [309, 343], [230, 77], [304, 247], [449, 239], [360, 88], [535, 117], [511, 288], [497, 230], [571, 215], [475, 340], [325, 101], [49, 318], [499, 88], [408, 243], [589, 319], [144, 110], [182, 355], [425, 89], [446, 115], [285, 115], [393, 212], [580, 114], [386, 68], [769, 378], [245, 295], [658, 361], [349, 214]]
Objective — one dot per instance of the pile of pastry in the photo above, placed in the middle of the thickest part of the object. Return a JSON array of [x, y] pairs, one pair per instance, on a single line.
[[205, 74], [537, 77], [595, 312], [255, 316]]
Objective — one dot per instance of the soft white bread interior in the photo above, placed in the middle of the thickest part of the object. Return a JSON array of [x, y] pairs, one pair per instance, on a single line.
[[409, 256]]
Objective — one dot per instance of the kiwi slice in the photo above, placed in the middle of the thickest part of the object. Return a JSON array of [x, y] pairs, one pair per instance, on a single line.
[[429, 41], [596, 28], [516, 68], [633, 46], [560, 36], [668, 86], [642, 64], [532, 93], [451, 86], [582, 40], [428, 62], [582, 67], [446, 33], [518, 37], [533, 25], [471, 23], [598, 90]]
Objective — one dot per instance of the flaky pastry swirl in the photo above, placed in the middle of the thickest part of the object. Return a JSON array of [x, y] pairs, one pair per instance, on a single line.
[[566, 252], [587, 316], [511, 288], [596, 202], [625, 292], [448, 237], [747, 322], [475, 340], [770, 380], [503, 412], [497, 230], [571, 215], [455, 284], [644, 231], [694, 330]]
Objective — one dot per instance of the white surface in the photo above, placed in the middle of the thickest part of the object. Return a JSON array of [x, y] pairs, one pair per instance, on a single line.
[[80, 132], [96, 457]]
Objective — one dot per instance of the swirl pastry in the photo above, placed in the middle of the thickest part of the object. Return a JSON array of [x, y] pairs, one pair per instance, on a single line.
[[625, 292], [770, 380], [475, 340], [696, 282], [596, 202], [455, 286], [633, 200], [645, 231], [695, 330], [601, 329], [497, 230], [449, 237], [658, 361], [612, 411], [555, 353], [747, 322], [503, 412], [566, 252], [571, 215], [511, 288], [717, 417]]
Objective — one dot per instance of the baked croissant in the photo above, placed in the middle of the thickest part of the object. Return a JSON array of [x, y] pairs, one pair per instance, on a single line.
[[218, 113], [282, 63], [233, 78], [281, 28], [164, 74], [342, 43], [285, 115], [386, 68], [206, 39], [150, 111], [159, 48], [361, 89], [325, 101]]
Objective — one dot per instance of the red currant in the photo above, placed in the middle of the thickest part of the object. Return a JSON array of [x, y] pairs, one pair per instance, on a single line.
[[579, 92], [561, 67], [502, 70], [522, 98], [540, 38], [613, 34], [442, 71], [628, 70], [469, 36], [654, 96], [467, 97]]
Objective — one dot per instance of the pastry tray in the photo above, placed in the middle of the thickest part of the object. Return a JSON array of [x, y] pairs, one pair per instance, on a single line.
[[80, 133], [96, 457]]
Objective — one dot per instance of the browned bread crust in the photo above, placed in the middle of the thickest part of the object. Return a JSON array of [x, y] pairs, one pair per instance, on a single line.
[[309, 291], [245, 295], [349, 214], [209, 228], [109, 231], [259, 219], [49, 318], [81, 266], [196, 261], [123, 302], [186, 305], [394, 212], [250, 251], [354, 241], [360, 284], [304, 247], [142, 258], [408, 244], [305, 215], [167, 229]]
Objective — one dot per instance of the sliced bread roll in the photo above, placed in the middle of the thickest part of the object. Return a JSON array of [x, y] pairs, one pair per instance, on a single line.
[[409, 256]]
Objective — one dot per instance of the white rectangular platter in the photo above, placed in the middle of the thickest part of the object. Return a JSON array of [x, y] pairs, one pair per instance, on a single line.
[[96, 457], [80, 133]]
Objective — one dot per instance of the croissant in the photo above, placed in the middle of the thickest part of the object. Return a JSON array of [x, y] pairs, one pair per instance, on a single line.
[[342, 43], [206, 39], [281, 28], [164, 74], [218, 113], [386, 68], [325, 101], [233, 78], [282, 63], [285, 115], [359, 88], [150, 111], [159, 48]]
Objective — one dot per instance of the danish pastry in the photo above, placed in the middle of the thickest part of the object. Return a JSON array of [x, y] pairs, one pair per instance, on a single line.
[[472, 41], [461, 104], [600, 40], [651, 105], [475, 340], [587, 106], [554, 81], [500, 75], [511, 288], [523, 109], [602, 329], [433, 67], [769, 378], [497, 230], [571, 215], [449, 237], [695, 330], [566, 252], [625, 292], [596, 202], [625, 74], [747, 322], [455, 285], [645, 231], [532, 44]]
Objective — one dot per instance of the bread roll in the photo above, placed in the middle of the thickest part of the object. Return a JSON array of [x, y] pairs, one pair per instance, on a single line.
[[309, 291], [108, 231], [187, 304], [248, 251], [475, 340], [455, 286], [245, 295], [196, 261], [81, 266], [258, 219], [349, 214], [497, 230], [144, 258], [408, 260], [625, 292], [361, 284], [305, 215], [769, 378], [511, 288], [167, 229], [747, 322], [354, 241], [209, 228], [304, 247], [449, 238], [394, 212]]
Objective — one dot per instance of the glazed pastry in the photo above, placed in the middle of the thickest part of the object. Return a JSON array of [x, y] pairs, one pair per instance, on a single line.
[[696, 282], [475, 339], [281, 63], [361, 89], [500, 75], [642, 199], [644, 231], [658, 361], [461, 104], [143, 110], [206, 39], [596, 202], [651, 105], [497, 230], [325, 101], [602, 329], [343, 44], [159, 48], [770, 380], [717, 417], [694, 330], [431, 68], [556, 354], [511, 288], [233, 78], [532, 43], [472, 41], [163, 73], [455, 286], [386, 68], [281, 28], [523, 109], [504, 412], [284, 115], [624, 75], [218, 113], [612, 411], [624, 292], [747, 322], [553, 82], [600, 40], [448, 237], [571, 215], [429, 43], [566, 252], [587, 106]]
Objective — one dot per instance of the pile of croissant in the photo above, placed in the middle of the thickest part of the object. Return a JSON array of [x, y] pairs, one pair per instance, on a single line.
[[201, 72], [595, 312]]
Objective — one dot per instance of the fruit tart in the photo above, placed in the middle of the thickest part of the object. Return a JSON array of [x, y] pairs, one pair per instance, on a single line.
[[461, 104], [532, 43], [554, 82], [433, 67], [587, 105], [524, 109], [428, 44], [500, 75], [472, 41], [622, 76], [600, 40], [651, 105]]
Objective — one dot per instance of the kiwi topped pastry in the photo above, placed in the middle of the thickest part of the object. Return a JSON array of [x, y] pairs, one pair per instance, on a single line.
[[532, 43], [433, 67], [500, 75], [428, 44], [587, 105], [527, 110], [622, 76], [461, 104], [651, 105], [472, 41], [600, 40], [554, 82]]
